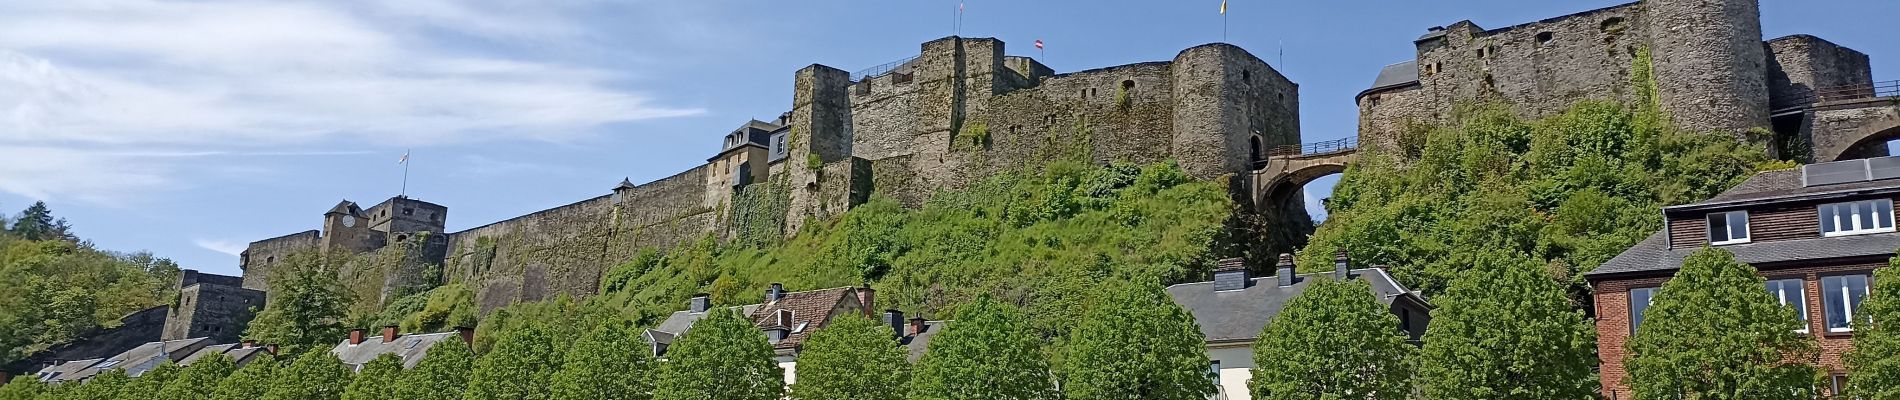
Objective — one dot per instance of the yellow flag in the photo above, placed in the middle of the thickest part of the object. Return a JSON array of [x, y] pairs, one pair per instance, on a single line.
[[1223, 7]]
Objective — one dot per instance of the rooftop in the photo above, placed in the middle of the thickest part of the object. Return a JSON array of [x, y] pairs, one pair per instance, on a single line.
[[1240, 315], [410, 347]]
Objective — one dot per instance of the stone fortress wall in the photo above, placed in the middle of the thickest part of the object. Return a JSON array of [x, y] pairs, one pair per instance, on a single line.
[[1711, 68], [958, 111]]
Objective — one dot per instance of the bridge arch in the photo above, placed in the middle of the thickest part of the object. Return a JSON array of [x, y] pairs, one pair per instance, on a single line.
[[1870, 141], [1288, 169]]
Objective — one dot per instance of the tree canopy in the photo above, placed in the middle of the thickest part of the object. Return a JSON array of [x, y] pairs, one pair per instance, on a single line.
[[306, 307], [37, 223], [853, 357], [723, 357], [54, 290], [376, 380], [442, 374], [22, 388], [199, 380], [1713, 333], [989, 353], [1874, 363], [1333, 341], [315, 375], [519, 367], [612, 362], [104, 386], [1505, 330], [249, 382], [1136, 343], [149, 383]]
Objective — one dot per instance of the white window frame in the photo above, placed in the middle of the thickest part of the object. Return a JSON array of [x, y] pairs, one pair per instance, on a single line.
[[1842, 225], [1847, 303], [1799, 297], [1635, 318], [1732, 239]]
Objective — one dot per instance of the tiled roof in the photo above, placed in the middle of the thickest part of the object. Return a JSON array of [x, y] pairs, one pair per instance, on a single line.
[[1239, 315], [410, 347], [810, 310], [1653, 254]]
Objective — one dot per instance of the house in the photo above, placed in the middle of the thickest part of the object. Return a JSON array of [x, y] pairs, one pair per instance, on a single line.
[[785, 318], [150, 355], [1234, 308], [357, 349], [1815, 233]]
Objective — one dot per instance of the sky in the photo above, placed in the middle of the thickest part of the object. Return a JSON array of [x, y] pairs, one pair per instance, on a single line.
[[190, 128]]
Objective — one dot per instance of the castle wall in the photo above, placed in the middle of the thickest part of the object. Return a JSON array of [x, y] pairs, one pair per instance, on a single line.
[[565, 249], [260, 256], [134, 329], [883, 114], [1799, 64], [209, 309], [1711, 67], [1223, 98]]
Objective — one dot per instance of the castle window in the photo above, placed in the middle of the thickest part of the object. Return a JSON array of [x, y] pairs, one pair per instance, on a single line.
[[408, 211], [1246, 76], [1128, 84], [1085, 94], [1613, 25], [1545, 38], [270, 260], [401, 238]]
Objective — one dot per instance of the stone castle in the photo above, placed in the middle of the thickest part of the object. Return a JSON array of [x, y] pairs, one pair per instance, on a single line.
[[961, 110]]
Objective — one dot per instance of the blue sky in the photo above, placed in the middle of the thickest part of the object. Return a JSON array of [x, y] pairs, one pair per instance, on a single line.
[[190, 128]]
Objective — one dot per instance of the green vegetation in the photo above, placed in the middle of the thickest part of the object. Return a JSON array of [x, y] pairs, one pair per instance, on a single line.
[[199, 380], [520, 365], [1713, 333], [441, 375], [1504, 330], [55, 288], [1874, 363], [1333, 341], [614, 361], [724, 357], [149, 383], [854, 357], [316, 375], [23, 388], [1136, 343], [376, 380], [437, 310], [105, 386], [306, 307], [990, 353], [248, 383]]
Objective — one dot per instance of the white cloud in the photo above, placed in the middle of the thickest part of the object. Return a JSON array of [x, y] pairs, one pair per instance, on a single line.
[[222, 246], [81, 79]]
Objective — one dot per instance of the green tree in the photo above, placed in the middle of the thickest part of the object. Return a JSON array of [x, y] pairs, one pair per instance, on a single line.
[[149, 383], [37, 223], [1333, 341], [723, 357], [441, 375], [104, 386], [990, 353], [199, 380], [315, 375], [23, 388], [853, 357], [1504, 330], [306, 307], [249, 382], [1874, 363], [519, 367], [1713, 333], [376, 380], [1136, 343], [612, 362]]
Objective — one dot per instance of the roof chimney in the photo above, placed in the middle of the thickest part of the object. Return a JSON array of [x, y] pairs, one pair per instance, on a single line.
[[1342, 265], [356, 336], [775, 293], [916, 325], [389, 333], [249, 343], [467, 334], [272, 348], [1231, 274], [867, 298], [895, 320], [1285, 272], [701, 303]]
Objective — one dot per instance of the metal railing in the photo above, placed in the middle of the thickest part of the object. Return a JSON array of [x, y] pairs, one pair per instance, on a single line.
[[1315, 148], [1837, 93], [879, 70]]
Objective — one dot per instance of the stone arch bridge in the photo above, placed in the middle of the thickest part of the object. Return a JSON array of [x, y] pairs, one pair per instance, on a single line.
[[1843, 122], [1283, 170]]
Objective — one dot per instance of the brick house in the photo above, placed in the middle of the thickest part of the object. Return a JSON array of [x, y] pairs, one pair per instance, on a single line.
[[1815, 233]]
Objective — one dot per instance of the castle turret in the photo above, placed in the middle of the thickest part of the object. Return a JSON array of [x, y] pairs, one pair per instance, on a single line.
[[1710, 65], [347, 231], [820, 137], [1228, 107]]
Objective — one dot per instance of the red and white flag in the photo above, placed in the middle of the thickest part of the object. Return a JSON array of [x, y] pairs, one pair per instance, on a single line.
[[1038, 44], [404, 159]]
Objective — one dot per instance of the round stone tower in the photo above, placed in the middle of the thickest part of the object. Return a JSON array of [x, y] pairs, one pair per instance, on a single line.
[[1710, 64]]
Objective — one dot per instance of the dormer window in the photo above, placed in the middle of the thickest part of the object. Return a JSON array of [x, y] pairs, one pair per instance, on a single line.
[[1858, 217], [1728, 228]]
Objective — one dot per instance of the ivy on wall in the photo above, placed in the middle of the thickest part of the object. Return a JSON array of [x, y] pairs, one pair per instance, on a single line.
[[758, 213]]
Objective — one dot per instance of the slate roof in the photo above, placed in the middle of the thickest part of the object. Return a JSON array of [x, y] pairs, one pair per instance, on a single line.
[[1785, 185], [1392, 76], [135, 361], [70, 370], [1239, 315], [1653, 254], [916, 343], [410, 347], [810, 310]]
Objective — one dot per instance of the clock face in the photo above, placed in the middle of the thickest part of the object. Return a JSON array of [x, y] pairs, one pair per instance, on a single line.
[[349, 221]]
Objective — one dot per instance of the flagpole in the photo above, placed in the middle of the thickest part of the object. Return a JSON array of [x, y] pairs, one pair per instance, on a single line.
[[405, 174]]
